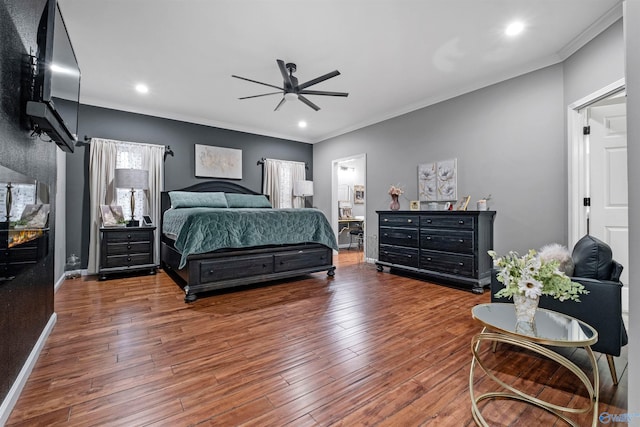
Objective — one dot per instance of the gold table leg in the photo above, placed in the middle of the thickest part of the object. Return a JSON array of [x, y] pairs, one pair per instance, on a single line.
[[513, 393]]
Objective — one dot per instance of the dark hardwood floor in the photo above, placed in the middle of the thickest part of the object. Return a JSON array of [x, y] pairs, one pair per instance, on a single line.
[[363, 348]]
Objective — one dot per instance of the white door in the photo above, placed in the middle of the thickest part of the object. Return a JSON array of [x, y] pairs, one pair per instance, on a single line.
[[608, 179]]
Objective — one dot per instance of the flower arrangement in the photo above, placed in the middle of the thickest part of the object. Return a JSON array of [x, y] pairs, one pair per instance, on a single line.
[[395, 190], [531, 276]]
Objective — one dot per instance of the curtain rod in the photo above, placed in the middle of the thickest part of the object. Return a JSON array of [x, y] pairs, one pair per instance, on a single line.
[[167, 148], [261, 162]]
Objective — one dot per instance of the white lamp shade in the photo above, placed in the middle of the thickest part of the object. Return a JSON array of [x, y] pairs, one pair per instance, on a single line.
[[132, 178], [303, 188]]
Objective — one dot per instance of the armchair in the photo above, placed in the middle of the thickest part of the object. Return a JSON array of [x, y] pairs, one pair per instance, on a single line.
[[601, 308]]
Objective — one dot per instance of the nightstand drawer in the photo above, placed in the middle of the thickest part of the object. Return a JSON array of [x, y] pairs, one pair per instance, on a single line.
[[397, 255], [462, 265], [399, 236], [447, 240], [447, 221], [131, 260], [128, 248], [127, 236]]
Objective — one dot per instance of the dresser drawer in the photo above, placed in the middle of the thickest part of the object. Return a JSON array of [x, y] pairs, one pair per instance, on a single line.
[[399, 236], [235, 268], [131, 260], [126, 236], [128, 248], [304, 258], [406, 221], [447, 240], [398, 255], [462, 265], [447, 221]]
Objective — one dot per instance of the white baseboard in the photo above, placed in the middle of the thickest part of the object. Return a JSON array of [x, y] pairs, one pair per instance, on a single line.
[[14, 393]]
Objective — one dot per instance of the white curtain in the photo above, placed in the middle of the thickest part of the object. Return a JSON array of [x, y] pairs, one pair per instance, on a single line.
[[102, 165], [279, 176], [105, 157]]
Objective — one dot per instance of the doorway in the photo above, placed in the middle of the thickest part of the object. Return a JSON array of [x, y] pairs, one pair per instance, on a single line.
[[348, 202], [598, 174]]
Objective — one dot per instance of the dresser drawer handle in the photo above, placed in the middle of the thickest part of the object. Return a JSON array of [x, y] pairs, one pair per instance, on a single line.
[[428, 237], [408, 236], [429, 259], [408, 256], [128, 236], [129, 258], [461, 264], [428, 221], [128, 246], [409, 221], [386, 219], [385, 235], [461, 222], [461, 240]]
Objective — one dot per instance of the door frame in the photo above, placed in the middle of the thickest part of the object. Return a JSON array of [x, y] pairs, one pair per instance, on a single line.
[[577, 157], [334, 193], [578, 167]]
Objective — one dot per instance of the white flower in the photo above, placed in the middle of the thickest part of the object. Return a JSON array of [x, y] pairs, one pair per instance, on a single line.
[[530, 287]]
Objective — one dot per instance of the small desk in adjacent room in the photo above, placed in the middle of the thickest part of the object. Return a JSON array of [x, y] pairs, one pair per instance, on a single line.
[[548, 329]]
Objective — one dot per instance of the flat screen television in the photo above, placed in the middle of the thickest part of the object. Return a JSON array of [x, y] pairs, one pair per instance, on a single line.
[[53, 108]]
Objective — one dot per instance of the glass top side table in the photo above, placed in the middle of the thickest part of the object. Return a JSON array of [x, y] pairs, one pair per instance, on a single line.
[[548, 329]]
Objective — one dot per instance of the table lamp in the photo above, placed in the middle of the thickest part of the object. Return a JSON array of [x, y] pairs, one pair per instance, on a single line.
[[134, 179], [303, 189]]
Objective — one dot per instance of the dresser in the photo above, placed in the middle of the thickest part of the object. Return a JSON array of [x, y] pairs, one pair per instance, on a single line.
[[445, 247], [126, 249]]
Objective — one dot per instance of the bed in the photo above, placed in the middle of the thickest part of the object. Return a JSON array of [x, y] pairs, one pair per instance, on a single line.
[[219, 234]]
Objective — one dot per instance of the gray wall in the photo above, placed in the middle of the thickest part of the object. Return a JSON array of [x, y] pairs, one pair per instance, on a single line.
[[509, 139], [632, 37], [179, 169], [509, 142], [26, 302], [595, 65]]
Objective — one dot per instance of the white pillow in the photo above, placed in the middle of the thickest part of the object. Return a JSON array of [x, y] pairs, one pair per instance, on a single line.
[[555, 251]]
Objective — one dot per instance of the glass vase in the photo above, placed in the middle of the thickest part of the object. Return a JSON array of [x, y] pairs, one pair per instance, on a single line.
[[525, 313], [395, 204]]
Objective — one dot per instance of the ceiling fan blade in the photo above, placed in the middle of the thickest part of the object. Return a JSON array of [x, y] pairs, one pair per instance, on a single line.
[[282, 101], [319, 79], [322, 92], [285, 75], [257, 96], [309, 103], [255, 81]]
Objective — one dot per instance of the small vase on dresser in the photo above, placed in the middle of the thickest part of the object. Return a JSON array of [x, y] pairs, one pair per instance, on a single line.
[[395, 204]]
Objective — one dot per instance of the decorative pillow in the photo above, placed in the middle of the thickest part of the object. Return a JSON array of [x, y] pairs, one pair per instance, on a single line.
[[592, 259], [188, 199], [560, 253], [247, 200]]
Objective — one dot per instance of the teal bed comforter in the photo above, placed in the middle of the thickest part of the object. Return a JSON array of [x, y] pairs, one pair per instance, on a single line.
[[200, 230]]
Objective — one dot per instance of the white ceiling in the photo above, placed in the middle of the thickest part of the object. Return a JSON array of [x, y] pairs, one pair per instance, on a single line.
[[394, 56]]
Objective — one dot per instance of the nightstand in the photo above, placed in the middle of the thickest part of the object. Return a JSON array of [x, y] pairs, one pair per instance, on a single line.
[[126, 249]]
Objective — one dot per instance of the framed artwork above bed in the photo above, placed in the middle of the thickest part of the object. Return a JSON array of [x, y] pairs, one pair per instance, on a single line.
[[217, 162]]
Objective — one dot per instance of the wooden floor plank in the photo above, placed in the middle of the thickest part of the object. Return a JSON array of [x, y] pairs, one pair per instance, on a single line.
[[361, 348]]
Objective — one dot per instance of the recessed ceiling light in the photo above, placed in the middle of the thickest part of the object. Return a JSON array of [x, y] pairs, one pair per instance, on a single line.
[[302, 124], [514, 28], [142, 88]]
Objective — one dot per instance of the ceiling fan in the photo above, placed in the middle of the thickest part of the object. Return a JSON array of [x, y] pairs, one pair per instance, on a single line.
[[292, 90]]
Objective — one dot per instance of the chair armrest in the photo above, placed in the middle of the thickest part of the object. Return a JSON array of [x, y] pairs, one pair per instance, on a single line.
[[601, 308]]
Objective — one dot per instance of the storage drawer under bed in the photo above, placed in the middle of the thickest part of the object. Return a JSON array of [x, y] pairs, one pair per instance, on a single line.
[[235, 268], [303, 258]]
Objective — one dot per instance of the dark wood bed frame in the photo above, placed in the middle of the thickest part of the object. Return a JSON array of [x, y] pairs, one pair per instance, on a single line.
[[228, 268]]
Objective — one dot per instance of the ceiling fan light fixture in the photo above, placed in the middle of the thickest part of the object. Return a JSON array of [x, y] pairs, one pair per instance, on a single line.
[[290, 96]]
